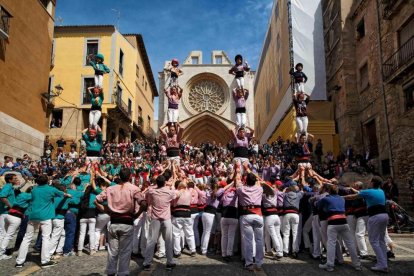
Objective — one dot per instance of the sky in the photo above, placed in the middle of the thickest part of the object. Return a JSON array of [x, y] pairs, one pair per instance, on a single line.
[[171, 29]]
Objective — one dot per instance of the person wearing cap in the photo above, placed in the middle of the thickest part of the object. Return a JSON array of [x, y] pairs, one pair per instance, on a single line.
[[93, 141], [377, 222], [238, 71], [334, 207], [251, 221], [175, 72], [299, 77], [99, 67], [124, 203]]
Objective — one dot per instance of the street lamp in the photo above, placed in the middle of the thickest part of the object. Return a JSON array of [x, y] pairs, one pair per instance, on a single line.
[[53, 93]]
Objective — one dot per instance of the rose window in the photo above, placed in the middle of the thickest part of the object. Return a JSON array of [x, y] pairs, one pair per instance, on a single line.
[[206, 95]]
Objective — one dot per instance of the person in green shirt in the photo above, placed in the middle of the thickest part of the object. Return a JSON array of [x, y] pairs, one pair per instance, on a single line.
[[93, 141], [41, 213], [14, 219], [7, 199], [61, 207], [95, 113]]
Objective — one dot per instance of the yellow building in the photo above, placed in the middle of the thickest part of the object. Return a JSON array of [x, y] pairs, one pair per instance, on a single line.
[[129, 89], [274, 111]]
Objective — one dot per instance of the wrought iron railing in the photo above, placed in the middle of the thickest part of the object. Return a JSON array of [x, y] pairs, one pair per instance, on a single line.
[[123, 107], [402, 57]]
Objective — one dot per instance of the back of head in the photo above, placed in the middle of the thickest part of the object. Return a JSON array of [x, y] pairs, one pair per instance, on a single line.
[[160, 181], [167, 174], [333, 189], [124, 174], [376, 182], [77, 181], [42, 179], [251, 179]]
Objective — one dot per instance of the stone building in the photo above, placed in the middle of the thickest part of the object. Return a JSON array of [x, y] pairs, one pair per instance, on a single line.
[[26, 33], [207, 109], [129, 89], [369, 47]]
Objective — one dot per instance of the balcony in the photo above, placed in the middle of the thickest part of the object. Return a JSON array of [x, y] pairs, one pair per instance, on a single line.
[[390, 8], [123, 107], [400, 63]]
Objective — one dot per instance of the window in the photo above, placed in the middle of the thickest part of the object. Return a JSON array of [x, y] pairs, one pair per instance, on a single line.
[[92, 48], [139, 111], [371, 131], [129, 107], [194, 60], [119, 94], [219, 59], [267, 101], [149, 122], [121, 63], [360, 29], [52, 55], [363, 77], [146, 84], [49, 87], [87, 82], [48, 4], [4, 23], [57, 116], [406, 32], [409, 97], [137, 72], [278, 42], [143, 81]]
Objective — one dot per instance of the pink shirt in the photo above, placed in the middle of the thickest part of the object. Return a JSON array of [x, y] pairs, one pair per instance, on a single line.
[[122, 198], [183, 197], [194, 196], [160, 199], [202, 196], [250, 195]]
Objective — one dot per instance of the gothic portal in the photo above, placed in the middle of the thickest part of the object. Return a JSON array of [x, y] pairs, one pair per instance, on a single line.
[[207, 109]]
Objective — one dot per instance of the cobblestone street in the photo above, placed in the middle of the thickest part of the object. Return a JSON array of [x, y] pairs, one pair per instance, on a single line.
[[403, 264]]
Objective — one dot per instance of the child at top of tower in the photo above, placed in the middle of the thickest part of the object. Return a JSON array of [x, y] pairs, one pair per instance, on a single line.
[[240, 96], [99, 67], [238, 70], [300, 78], [173, 94], [175, 72]]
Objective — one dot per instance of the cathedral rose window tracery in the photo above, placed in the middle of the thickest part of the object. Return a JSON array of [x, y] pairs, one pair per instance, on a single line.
[[206, 95]]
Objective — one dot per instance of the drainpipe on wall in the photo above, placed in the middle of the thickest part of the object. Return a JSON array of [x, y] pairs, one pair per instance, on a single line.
[[383, 92]]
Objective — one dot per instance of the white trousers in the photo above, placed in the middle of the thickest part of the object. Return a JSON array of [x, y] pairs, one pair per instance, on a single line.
[[2, 226], [340, 231], [272, 228], [252, 228], [61, 242], [299, 87], [138, 230], [240, 82], [172, 115], [228, 232], [46, 228], [183, 225], [11, 224], [302, 125], [119, 249], [208, 220], [98, 80], [196, 219], [58, 229], [377, 226], [94, 116], [324, 238], [101, 227], [241, 119], [360, 230], [316, 235], [306, 228], [290, 222], [165, 227], [90, 224]]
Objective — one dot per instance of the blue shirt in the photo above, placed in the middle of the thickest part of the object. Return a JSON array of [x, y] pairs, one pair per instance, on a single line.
[[66, 180], [373, 197], [42, 204], [6, 192], [332, 204]]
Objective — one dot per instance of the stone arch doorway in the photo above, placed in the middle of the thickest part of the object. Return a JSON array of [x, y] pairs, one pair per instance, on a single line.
[[207, 126]]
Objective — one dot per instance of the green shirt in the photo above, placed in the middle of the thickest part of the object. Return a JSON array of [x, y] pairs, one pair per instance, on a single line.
[[66, 180], [23, 200], [6, 192], [100, 99], [75, 205], [62, 205], [114, 170], [42, 204], [93, 145]]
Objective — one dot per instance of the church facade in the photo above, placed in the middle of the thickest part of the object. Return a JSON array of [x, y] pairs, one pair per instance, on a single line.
[[207, 108]]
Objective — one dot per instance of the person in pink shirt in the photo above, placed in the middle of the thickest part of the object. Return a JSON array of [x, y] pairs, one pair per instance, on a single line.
[[172, 139], [181, 218], [124, 202], [160, 199], [201, 204], [173, 94], [251, 221]]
